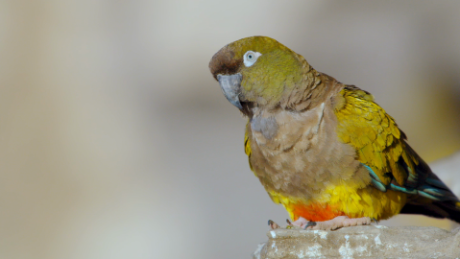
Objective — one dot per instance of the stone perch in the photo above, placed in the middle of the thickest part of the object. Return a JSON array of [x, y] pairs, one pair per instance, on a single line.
[[374, 241]]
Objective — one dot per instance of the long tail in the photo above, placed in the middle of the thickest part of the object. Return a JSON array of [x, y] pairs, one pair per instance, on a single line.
[[433, 197], [437, 209]]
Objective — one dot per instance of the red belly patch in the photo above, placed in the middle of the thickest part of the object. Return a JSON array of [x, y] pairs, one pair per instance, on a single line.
[[315, 212]]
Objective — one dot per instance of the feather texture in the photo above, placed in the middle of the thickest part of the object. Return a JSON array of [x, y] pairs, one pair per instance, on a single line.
[[323, 149]]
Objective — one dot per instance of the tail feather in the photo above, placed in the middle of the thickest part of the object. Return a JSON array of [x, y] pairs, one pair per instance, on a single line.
[[433, 197], [453, 209], [437, 209]]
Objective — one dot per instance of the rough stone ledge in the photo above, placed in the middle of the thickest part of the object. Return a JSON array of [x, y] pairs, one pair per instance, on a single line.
[[375, 241]]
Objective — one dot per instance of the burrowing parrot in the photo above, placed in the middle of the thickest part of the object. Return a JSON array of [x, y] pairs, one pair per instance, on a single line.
[[324, 150]]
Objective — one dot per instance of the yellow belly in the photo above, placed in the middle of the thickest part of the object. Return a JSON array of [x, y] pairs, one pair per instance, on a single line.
[[344, 200]]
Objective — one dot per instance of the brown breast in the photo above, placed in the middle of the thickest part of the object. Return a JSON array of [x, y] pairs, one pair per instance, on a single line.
[[299, 154]]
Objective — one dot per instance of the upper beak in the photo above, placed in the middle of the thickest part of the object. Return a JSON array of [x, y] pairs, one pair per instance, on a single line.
[[231, 86]]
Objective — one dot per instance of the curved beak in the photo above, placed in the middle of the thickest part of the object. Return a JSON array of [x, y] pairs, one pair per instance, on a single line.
[[231, 86]]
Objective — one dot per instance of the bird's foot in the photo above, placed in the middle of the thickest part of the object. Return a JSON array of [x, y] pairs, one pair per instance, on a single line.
[[299, 223], [333, 224], [339, 222], [273, 224]]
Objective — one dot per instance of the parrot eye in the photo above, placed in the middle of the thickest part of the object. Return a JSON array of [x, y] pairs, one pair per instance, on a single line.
[[250, 58]]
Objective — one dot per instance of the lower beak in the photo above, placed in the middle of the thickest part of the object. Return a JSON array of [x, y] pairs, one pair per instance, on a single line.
[[231, 86]]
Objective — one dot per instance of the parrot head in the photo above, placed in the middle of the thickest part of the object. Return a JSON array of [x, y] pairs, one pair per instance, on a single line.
[[257, 72]]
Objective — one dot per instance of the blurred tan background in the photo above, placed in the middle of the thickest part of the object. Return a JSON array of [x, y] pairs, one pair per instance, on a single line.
[[116, 142]]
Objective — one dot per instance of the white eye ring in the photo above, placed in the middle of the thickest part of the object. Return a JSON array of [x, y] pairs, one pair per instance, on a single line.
[[250, 58]]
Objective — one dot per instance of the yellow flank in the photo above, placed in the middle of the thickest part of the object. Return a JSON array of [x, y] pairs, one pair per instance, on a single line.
[[367, 202], [247, 147]]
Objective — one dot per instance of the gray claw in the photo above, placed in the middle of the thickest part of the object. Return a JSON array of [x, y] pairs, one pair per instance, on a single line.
[[310, 224]]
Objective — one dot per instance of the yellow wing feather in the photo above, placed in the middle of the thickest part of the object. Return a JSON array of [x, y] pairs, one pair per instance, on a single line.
[[379, 143]]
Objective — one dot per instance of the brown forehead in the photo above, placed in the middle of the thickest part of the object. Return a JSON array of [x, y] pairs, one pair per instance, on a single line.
[[224, 62]]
